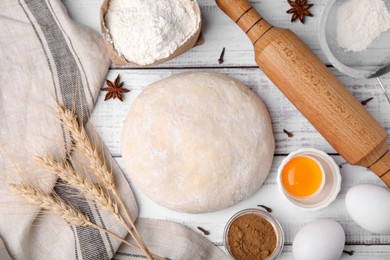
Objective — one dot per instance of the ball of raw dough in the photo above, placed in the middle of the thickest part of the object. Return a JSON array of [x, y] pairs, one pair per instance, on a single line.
[[198, 142]]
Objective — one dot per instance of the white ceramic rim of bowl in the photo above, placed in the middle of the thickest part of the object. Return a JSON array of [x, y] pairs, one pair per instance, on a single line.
[[335, 173], [323, 179], [329, 54]]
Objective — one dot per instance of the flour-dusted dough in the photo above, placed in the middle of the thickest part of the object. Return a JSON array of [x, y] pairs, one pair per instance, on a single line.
[[198, 142]]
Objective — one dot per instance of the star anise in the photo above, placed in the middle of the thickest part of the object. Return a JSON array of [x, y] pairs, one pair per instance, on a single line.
[[115, 89], [299, 9]]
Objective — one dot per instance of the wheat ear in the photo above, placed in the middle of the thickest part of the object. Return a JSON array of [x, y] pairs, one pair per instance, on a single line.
[[93, 192], [90, 190], [84, 146], [50, 203], [97, 164], [59, 207]]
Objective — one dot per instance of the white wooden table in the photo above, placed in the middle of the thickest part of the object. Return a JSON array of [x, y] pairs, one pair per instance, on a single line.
[[219, 31]]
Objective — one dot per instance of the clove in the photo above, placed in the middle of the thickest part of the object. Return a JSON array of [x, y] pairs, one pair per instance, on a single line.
[[268, 209], [349, 252], [220, 60], [364, 102], [205, 232], [289, 134]]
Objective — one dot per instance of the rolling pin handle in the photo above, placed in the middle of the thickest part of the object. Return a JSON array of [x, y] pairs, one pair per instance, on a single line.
[[245, 16], [382, 168], [386, 179], [234, 8]]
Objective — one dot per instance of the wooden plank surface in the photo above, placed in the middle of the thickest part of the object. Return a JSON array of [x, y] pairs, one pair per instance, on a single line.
[[359, 253], [219, 31], [290, 218], [109, 116]]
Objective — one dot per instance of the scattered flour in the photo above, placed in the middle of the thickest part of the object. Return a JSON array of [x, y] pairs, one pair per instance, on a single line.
[[145, 31], [359, 22]]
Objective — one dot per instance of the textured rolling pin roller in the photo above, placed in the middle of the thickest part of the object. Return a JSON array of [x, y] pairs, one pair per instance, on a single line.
[[314, 90]]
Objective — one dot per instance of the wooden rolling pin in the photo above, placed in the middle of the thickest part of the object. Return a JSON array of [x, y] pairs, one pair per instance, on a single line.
[[314, 90]]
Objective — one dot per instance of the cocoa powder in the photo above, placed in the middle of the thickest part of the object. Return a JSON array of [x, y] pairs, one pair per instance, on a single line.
[[251, 237]]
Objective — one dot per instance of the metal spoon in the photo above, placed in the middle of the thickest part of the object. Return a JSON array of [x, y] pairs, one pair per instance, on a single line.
[[376, 74]]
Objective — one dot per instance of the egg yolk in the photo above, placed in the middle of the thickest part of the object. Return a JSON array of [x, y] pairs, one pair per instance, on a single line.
[[301, 176]]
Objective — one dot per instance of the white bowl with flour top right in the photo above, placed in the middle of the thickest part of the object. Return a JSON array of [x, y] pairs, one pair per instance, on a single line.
[[355, 46]]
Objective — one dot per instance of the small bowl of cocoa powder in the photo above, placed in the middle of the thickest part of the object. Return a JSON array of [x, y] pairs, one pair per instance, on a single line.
[[253, 234]]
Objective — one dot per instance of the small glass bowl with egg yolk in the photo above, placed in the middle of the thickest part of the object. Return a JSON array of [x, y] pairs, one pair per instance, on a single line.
[[309, 179]]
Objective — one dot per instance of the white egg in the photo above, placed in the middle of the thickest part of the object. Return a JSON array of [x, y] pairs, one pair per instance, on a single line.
[[369, 206], [319, 240]]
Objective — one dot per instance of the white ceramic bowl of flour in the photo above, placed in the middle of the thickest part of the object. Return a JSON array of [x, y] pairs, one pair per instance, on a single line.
[[149, 32], [355, 35]]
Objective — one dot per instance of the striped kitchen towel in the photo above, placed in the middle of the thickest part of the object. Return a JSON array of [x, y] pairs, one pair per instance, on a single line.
[[46, 58]]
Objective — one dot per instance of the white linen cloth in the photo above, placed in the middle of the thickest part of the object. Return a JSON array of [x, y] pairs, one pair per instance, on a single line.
[[46, 58]]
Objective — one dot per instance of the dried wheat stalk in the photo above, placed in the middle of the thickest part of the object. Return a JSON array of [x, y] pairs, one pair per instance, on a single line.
[[90, 190], [84, 146], [59, 207], [50, 203], [96, 163]]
